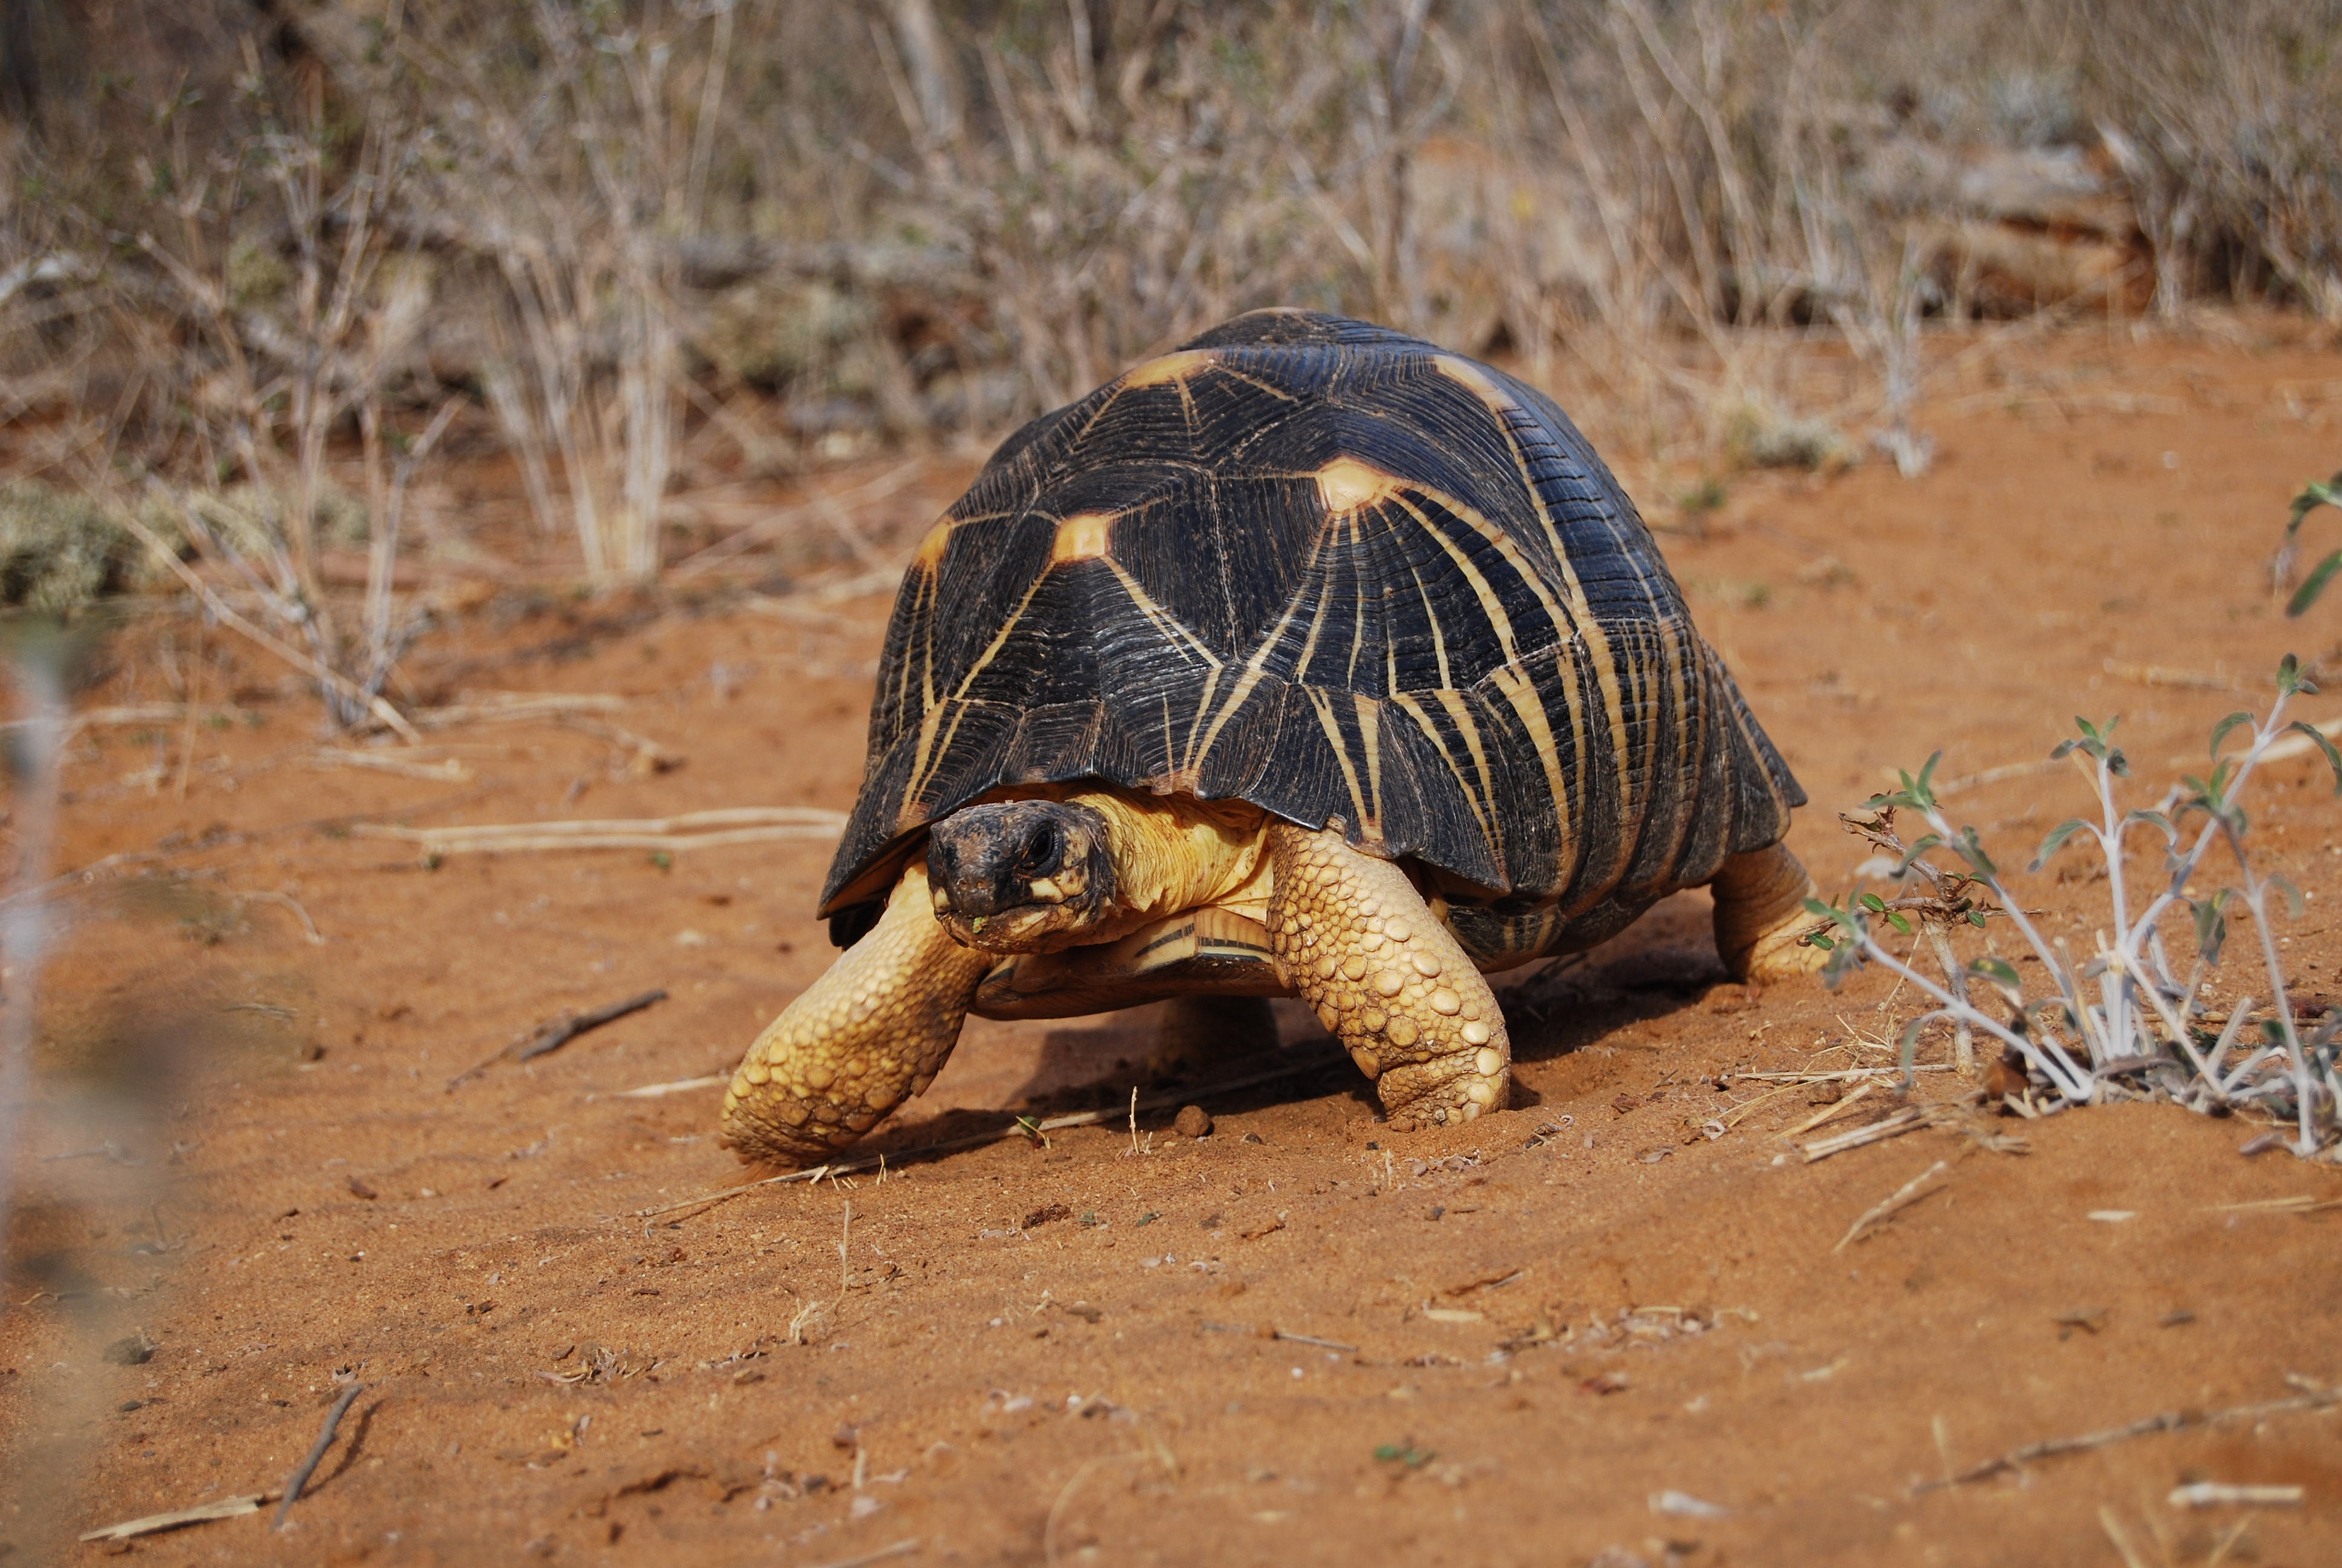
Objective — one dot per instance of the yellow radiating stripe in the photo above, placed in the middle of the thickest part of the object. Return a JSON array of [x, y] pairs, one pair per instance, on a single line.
[[1370, 733], [1588, 626], [927, 754], [1319, 699], [1521, 693], [1258, 663], [1473, 798], [1169, 624]]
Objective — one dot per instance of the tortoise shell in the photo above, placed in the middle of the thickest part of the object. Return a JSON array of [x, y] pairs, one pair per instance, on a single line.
[[1349, 577]]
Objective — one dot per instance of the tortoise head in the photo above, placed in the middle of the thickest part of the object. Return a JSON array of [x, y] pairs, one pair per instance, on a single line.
[[1021, 876]]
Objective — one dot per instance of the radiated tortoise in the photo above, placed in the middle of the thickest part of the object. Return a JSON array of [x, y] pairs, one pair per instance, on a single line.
[[1307, 660]]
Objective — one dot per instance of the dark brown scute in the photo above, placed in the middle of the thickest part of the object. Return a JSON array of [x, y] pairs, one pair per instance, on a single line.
[[1213, 630]]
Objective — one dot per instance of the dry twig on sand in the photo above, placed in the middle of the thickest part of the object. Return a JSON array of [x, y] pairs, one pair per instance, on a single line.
[[303, 1471], [732, 825], [2313, 1397], [1909, 1193], [1904, 1121], [221, 1508], [559, 1031]]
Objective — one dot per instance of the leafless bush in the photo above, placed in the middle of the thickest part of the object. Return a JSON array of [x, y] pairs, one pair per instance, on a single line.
[[937, 215], [579, 180]]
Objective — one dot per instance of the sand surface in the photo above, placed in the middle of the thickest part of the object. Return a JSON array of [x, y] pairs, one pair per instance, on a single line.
[[1580, 1331]]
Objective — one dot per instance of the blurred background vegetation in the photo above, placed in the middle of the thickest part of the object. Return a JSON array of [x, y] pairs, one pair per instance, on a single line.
[[262, 263]]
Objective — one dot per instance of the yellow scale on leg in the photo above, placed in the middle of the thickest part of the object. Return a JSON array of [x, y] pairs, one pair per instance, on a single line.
[[1355, 940]]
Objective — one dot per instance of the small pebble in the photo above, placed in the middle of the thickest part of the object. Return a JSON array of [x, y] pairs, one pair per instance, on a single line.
[[1193, 1121]]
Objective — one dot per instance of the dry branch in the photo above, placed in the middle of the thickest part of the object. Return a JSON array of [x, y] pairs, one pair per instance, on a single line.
[[1903, 1196], [731, 825], [2314, 1398], [308, 1465], [224, 1508], [1895, 1126], [559, 1031], [333, 680]]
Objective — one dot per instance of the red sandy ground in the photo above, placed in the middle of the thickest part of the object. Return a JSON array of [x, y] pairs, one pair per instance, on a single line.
[[1059, 1352]]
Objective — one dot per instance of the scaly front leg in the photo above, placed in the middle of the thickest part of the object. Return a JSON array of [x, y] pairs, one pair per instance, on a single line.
[[1356, 941], [871, 1032]]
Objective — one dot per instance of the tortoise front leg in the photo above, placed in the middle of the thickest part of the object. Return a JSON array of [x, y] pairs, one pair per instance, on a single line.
[[1760, 914], [1355, 940], [872, 1031]]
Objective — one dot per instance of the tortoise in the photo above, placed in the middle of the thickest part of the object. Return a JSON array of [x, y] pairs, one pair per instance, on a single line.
[[1309, 659]]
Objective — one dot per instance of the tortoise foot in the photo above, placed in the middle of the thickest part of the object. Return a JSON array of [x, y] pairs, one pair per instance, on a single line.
[[1357, 943], [872, 1031], [1760, 916]]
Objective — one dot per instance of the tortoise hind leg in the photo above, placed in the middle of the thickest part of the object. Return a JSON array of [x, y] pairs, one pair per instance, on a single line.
[[1356, 941], [1760, 914], [872, 1031]]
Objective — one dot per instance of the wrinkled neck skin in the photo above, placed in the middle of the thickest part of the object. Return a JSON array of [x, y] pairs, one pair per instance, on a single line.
[[1171, 853]]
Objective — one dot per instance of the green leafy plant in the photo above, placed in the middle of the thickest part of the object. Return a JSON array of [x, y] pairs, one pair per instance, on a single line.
[[2314, 495], [2122, 1022]]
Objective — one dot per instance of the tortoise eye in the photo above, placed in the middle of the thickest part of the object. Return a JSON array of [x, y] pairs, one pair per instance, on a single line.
[[1043, 847]]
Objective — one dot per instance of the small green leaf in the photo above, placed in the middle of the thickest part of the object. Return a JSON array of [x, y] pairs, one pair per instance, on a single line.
[[1815, 939], [1895, 918], [1971, 850], [2314, 495], [1873, 903], [1927, 778], [2211, 925], [1998, 969], [2221, 731], [1820, 911], [1926, 842], [1976, 918], [2332, 757], [2056, 841], [2314, 585]]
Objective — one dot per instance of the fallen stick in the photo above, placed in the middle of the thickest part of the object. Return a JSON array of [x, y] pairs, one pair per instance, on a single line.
[[674, 1086], [1903, 1198], [731, 825], [513, 707], [450, 771], [1902, 1121], [303, 1471], [1835, 1108], [224, 1508], [2222, 1494], [559, 1031], [2166, 1421], [1276, 1334], [1021, 1126], [900, 1549]]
